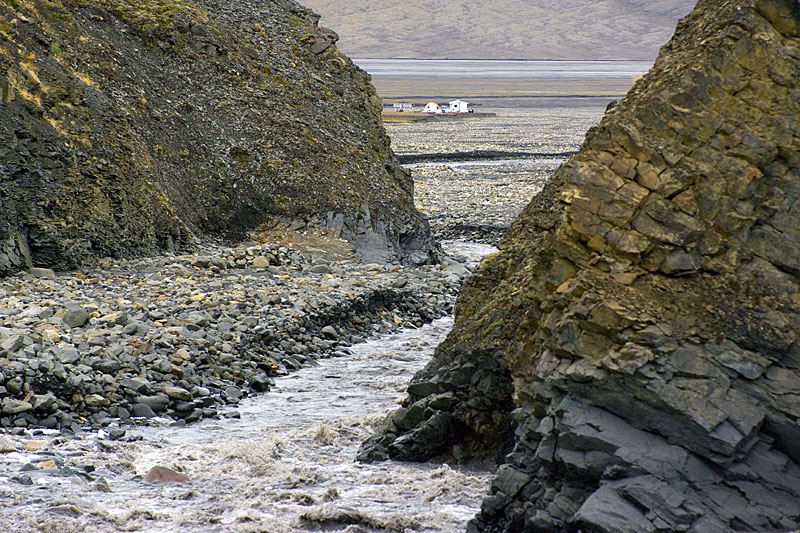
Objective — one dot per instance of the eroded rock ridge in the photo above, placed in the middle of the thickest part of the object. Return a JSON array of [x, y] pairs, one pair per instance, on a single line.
[[642, 316], [128, 127]]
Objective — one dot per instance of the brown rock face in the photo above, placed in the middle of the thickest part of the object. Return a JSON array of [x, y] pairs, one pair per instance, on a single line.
[[646, 307], [129, 127]]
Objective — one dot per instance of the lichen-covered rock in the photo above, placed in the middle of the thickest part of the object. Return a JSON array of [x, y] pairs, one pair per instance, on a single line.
[[646, 306], [129, 126]]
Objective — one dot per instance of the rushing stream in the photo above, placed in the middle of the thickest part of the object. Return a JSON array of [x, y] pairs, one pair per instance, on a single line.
[[283, 461]]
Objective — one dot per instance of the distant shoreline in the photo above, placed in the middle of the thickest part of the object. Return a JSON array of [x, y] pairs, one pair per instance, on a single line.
[[437, 97], [494, 80], [356, 60], [460, 68]]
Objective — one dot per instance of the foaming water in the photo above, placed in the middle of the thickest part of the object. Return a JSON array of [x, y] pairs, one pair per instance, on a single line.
[[473, 252], [287, 464]]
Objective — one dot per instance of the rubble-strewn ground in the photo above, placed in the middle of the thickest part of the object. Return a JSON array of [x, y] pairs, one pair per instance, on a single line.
[[478, 199], [183, 334]]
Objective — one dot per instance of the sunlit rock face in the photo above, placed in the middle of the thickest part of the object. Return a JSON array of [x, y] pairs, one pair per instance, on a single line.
[[130, 127], [642, 316]]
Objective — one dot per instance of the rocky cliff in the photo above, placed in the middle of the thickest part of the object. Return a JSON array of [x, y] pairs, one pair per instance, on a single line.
[[129, 126], [642, 316]]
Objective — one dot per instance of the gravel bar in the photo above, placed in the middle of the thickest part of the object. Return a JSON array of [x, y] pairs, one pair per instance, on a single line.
[[184, 336]]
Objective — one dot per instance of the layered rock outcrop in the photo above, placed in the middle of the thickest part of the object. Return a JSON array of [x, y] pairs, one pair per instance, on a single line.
[[129, 126], [643, 314]]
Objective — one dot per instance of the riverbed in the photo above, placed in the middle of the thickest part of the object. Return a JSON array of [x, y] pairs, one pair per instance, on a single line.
[[281, 462], [477, 199], [285, 460]]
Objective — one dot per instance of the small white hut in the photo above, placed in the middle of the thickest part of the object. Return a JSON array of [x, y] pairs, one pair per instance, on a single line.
[[432, 107], [458, 106]]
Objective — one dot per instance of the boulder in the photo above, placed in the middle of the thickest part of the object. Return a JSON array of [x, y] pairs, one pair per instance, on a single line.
[[260, 262], [641, 319], [162, 474], [142, 410], [12, 344], [177, 393], [75, 319], [156, 402], [45, 273], [11, 406]]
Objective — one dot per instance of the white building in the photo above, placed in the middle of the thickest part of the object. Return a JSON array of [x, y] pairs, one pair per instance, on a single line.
[[432, 107], [403, 106], [458, 106]]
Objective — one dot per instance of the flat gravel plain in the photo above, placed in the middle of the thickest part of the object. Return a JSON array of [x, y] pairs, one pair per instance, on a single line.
[[477, 199]]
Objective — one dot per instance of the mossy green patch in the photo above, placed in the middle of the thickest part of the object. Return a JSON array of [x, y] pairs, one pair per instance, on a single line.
[[490, 329], [297, 22], [149, 14], [57, 10], [14, 4], [56, 51]]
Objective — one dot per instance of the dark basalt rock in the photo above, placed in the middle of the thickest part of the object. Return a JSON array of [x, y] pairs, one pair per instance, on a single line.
[[645, 308], [129, 128]]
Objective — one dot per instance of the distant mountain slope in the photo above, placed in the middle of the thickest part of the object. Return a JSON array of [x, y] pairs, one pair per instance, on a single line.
[[524, 29]]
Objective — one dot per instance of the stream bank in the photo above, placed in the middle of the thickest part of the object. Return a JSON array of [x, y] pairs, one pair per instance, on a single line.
[[183, 336], [280, 462]]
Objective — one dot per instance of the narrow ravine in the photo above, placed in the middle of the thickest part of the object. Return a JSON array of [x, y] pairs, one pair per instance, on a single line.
[[285, 461], [282, 461]]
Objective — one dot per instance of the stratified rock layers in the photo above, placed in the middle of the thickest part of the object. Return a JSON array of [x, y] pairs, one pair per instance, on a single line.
[[645, 308], [129, 126]]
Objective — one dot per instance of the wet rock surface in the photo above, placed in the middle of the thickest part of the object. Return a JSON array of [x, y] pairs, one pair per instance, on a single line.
[[131, 128], [641, 317], [185, 336]]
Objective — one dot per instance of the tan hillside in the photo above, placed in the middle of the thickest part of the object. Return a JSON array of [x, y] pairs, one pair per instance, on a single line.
[[545, 29]]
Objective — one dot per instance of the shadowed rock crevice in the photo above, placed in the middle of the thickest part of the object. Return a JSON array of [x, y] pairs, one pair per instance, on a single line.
[[646, 302], [133, 127]]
